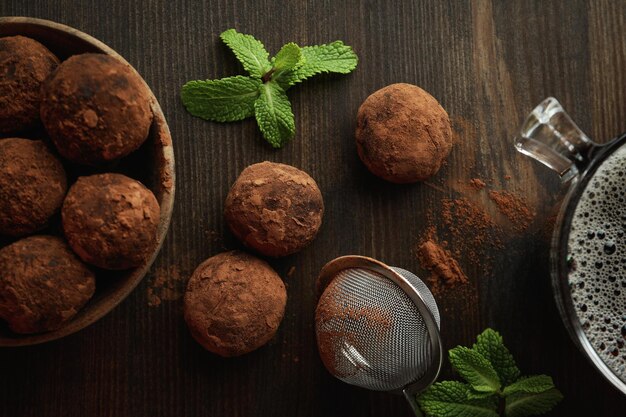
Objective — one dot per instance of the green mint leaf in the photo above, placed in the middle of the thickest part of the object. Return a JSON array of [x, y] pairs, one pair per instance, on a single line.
[[530, 384], [249, 51], [273, 114], [450, 399], [333, 57], [289, 57], [521, 404], [476, 395], [490, 344], [475, 369], [226, 100]]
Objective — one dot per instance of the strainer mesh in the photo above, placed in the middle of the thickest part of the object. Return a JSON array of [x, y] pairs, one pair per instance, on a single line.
[[370, 333]]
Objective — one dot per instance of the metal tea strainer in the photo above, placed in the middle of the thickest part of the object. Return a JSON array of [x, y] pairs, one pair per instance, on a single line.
[[377, 327]]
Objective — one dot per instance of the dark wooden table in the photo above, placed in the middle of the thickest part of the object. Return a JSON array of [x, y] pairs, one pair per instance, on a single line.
[[488, 63]]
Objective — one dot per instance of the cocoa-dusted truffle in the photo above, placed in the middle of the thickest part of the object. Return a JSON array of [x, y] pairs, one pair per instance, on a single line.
[[96, 109], [234, 303], [24, 65], [42, 284], [275, 209], [111, 220], [403, 135], [32, 186]]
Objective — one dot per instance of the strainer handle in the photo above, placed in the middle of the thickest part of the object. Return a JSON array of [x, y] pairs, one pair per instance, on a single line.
[[411, 392], [412, 399]]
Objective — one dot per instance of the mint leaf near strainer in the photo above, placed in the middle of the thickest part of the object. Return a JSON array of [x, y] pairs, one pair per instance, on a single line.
[[475, 369], [530, 384], [450, 399], [522, 404], [490, 344]]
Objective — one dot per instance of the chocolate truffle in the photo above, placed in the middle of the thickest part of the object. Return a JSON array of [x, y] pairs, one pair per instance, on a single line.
[[234, 303], [42, 284], [96, 109], [403, 135], [275, 209], [32, 186], [24, 65], [111, 221]]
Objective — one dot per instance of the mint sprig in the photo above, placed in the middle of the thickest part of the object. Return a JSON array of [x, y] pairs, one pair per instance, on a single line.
[[226, 100], [289, 57], [494, 386], [249, 51], [522, 404], [450, 399], [273, 114], [489, 344], [475, 369], [263, 92], [531, 384]]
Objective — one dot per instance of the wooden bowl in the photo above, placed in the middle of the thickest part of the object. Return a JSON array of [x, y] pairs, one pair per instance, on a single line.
[[152, 164]]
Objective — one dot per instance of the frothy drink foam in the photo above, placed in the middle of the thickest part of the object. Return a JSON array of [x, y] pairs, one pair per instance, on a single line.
[[597, 253]]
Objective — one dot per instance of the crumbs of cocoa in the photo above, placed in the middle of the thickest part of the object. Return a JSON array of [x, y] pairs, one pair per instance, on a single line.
[[514, 208], [477, 184], [444, 269], [166, 284], [472, 228]]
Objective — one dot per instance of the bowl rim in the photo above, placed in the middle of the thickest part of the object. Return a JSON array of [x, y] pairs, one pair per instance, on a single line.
[[167, 178]]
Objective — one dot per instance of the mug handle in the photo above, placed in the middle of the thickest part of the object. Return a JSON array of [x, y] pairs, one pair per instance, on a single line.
[[551, 137]]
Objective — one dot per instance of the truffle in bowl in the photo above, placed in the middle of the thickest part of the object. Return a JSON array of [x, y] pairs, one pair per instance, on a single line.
[[43, 284], [110, 220], [24, 65], [33, 184], [152, 164], [95, 108]]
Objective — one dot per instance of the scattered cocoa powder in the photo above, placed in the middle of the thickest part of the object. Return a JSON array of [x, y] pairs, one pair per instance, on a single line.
[[167, 284], [552, 216], [472, 229], [477, 184], [431, 231], [514, 208], [445, 270]]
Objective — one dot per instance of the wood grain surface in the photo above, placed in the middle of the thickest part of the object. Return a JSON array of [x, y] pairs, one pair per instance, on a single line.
[[488, 63]]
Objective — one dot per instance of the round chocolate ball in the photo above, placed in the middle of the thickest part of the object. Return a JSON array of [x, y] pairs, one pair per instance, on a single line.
[[96, 109], [234, 303], [111, 221], [24, 65], [32, 186], [42, 284], [403, 135], [275, 209]]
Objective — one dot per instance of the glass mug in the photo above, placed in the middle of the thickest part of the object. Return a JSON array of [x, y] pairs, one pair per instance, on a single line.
[[588, 251]]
